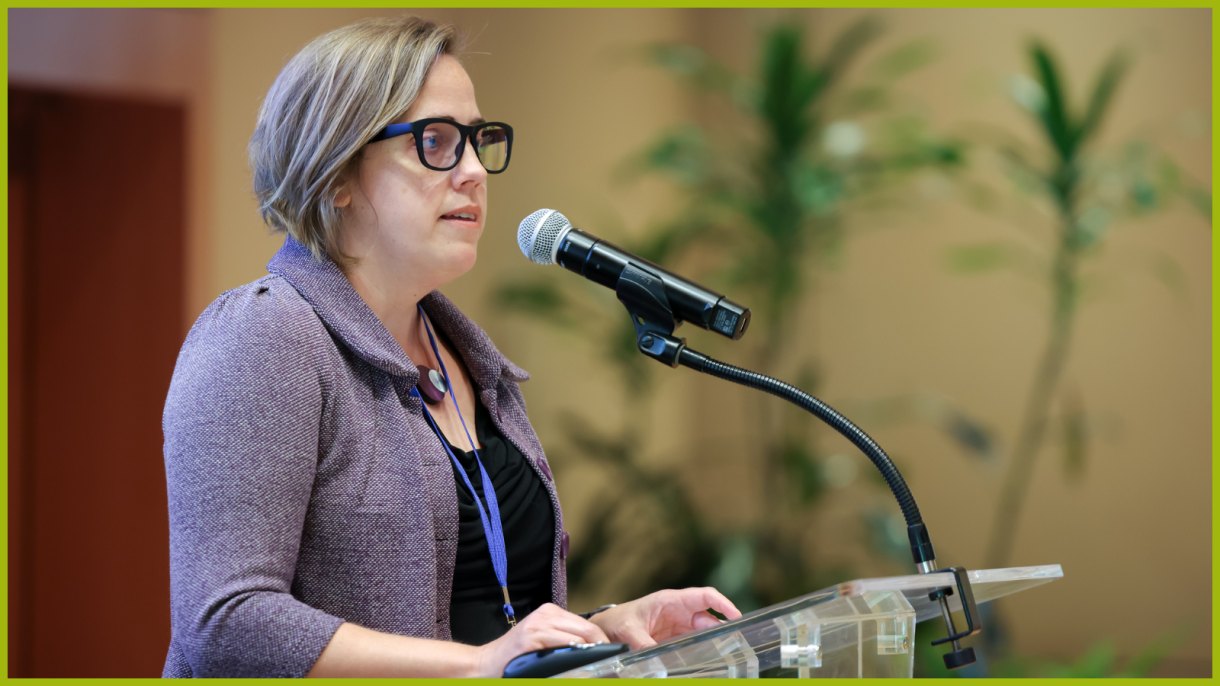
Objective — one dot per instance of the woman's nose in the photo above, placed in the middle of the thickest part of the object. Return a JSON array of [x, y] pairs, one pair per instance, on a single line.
[[469, 168]]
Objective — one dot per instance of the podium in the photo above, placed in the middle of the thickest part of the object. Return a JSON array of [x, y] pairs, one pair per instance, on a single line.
[[862, 628]]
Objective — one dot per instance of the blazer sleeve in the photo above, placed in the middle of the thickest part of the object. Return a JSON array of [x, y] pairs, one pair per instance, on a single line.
[[241, 450]]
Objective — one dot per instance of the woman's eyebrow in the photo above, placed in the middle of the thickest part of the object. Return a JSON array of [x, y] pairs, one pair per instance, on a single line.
[[476, 122]]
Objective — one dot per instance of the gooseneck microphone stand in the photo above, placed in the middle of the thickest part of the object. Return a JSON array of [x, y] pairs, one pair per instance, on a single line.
[[647, 303]]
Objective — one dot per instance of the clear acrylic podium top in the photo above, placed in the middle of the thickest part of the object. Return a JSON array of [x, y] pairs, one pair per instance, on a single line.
[[862, 628]]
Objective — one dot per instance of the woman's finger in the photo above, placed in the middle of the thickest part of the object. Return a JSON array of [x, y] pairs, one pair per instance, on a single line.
[[710, 597], [562, 620], [554, 638], [703, 620], [637, 639], [591, 632]]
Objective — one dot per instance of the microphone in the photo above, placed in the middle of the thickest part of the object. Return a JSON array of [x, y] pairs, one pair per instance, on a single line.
[[658, 300], [547, 237]]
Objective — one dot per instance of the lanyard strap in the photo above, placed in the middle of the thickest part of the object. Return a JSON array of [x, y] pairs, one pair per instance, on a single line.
[[492, 529]]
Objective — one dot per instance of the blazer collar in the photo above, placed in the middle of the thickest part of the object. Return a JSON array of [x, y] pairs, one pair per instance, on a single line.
[[348, 317]]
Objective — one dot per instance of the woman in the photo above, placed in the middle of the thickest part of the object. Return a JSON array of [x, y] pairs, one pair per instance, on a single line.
[[325, 520]]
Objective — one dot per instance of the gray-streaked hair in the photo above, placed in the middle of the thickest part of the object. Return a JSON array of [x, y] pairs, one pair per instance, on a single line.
[[329, 100]]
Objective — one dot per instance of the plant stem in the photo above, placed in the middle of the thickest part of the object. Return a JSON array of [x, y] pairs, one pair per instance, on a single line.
[[1037, 407]]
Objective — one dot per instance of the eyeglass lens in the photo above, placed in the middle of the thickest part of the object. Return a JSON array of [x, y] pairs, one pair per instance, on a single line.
[[440, 144]]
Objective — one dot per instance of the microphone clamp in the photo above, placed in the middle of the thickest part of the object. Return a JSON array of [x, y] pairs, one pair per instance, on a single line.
[[643, 294]]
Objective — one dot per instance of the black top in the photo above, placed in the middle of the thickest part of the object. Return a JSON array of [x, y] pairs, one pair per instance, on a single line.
[[476, 609]]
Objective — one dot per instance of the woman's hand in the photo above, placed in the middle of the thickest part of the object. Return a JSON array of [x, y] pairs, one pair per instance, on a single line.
[[549, 626], [663, 615]]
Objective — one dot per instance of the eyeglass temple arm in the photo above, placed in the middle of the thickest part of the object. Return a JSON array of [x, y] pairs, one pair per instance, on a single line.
[[392, 130]]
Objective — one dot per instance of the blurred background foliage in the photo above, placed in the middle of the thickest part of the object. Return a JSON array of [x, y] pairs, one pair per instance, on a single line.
[[1087, 192], [770, 186], [1099, 661]]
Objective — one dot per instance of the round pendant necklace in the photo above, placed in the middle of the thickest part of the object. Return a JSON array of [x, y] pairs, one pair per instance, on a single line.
[[432, 384]]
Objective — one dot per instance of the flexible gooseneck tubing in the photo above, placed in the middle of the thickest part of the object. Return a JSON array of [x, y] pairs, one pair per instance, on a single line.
[[921, 544]]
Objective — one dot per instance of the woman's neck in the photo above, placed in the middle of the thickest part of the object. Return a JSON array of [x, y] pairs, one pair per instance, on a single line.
[[394, 299]]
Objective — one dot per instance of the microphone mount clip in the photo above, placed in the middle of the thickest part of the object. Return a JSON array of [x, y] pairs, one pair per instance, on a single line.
[[643, 294]]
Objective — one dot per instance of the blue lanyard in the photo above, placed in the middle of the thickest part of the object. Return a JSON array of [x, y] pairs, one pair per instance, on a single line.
[[492, 530]]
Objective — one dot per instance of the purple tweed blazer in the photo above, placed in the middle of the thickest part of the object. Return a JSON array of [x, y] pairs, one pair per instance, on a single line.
[[305, 486]]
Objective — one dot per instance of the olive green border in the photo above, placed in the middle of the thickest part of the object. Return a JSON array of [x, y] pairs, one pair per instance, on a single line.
[[1215, 370], [1215, 337]]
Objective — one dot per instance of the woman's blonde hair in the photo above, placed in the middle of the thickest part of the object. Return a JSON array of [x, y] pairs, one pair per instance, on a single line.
[[335, 95]]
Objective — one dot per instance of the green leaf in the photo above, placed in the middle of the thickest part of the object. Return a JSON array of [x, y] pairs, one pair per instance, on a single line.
[[1143, 195], [1028, 94], [1075, 435], [809, 377], [904, 59], [735, 570], [862, 100], [1157, 650], [690, 62], [616, 451], [1055, 119], [929, 661], [594, 544], [1171, 275], [888, 533], [686, 60], [619, 346], [977, 259], [788, 89], [1097, 663], [1091, 227], [819, 190], [681, 153], [802, 472], [971, 434], [1103, 92], [1201, 199], [1018, 158], [980, 197], [848, 45], [668, 242], [1168, 175], [540, 298]]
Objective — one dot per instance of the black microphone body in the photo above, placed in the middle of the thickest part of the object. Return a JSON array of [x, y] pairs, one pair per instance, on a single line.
[[603, 263]]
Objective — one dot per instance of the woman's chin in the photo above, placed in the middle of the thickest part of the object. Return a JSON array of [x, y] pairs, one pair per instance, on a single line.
[[459, 261]]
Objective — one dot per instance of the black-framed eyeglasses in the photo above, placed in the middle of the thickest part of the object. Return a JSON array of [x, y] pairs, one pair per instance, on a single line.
[[441, 142]]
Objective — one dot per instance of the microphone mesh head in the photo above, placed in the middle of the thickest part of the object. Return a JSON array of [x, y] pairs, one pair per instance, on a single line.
[[539, 234]]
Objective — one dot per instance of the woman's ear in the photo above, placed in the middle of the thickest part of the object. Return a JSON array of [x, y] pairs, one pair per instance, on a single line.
[[350, 176], [343, 198]]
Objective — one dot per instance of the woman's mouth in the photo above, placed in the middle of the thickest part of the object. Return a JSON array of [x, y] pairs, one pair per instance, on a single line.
[[464, 216]]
